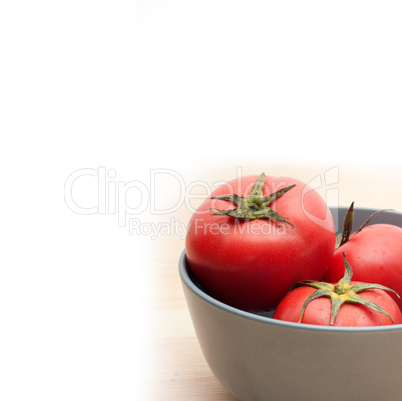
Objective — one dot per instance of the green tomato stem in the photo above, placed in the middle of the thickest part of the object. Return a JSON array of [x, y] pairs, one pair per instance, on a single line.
[[256, 206]]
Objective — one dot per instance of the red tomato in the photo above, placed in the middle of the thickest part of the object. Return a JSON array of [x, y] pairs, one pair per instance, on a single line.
[[251, 263], [376, 256], [318, 311]]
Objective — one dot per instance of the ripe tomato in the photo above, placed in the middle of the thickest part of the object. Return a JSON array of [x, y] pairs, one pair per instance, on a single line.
[[375, 253], [247, 248], [318, 311], [345, 303]]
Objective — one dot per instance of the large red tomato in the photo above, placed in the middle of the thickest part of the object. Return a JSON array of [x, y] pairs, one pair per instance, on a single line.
[[346, 303], [375, 253], [256, 236]]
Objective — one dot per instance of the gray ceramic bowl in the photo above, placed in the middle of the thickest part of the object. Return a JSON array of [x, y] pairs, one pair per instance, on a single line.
[[258, 358]]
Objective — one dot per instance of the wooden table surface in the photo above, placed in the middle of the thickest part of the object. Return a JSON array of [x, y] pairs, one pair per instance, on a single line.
[[176, 367]]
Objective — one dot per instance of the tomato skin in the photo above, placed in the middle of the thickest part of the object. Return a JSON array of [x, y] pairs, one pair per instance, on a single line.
[[376, 256], [251, 264], [318, 311]]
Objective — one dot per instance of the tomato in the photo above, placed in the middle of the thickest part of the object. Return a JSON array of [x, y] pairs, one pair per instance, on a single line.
[[345, 303], [318, 311], [375, 253], [256, 236]]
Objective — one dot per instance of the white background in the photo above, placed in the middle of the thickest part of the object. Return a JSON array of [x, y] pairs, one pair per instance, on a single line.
[[180, 85], [311, 80]]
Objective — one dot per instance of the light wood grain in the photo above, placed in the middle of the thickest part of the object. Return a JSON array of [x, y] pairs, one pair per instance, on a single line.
[[178, 370]]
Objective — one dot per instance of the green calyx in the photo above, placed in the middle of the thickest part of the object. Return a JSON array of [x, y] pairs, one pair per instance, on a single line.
[[256, 206], [344, 237], [342, 292]]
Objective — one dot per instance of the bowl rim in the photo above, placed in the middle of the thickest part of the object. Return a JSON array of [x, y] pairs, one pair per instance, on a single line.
[[183, 265]]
